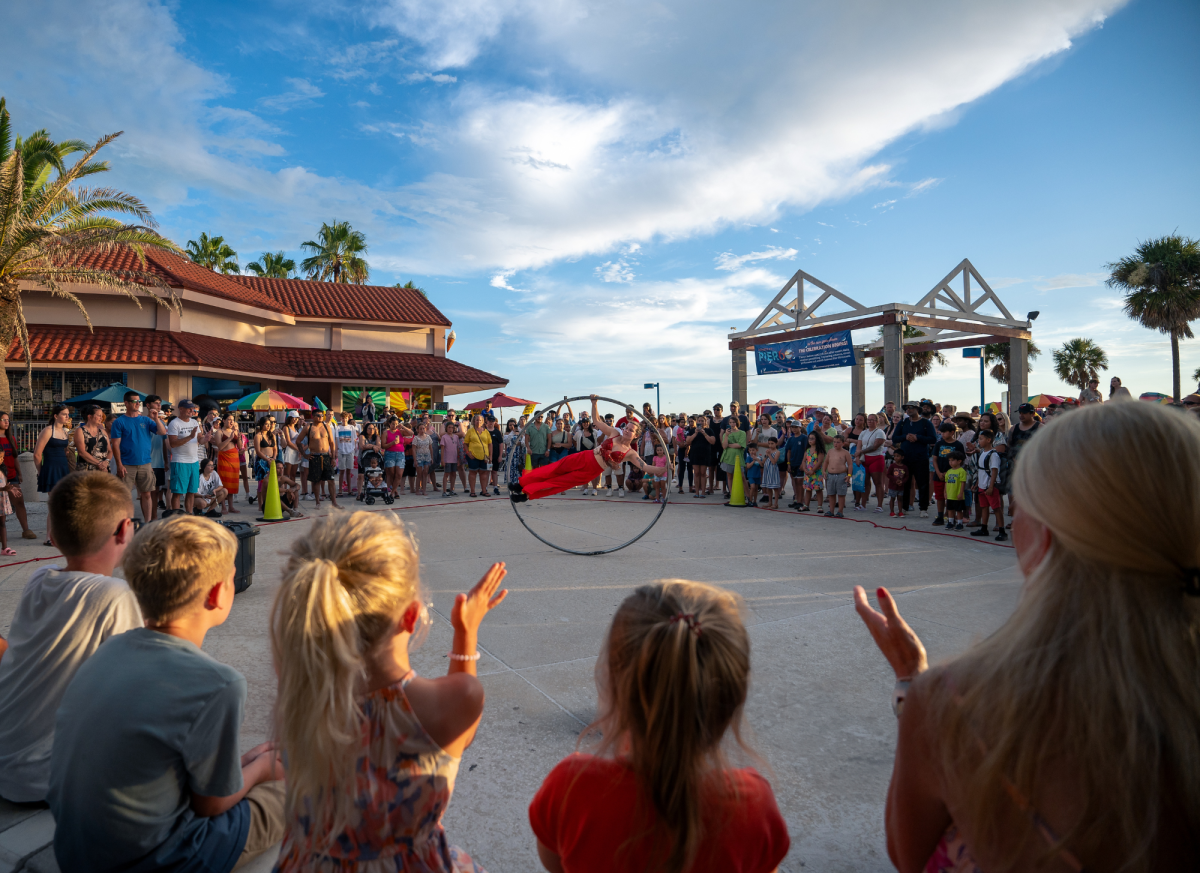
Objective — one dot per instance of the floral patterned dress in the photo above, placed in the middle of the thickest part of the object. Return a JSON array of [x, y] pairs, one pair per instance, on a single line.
[[812, 470], [403, 783]]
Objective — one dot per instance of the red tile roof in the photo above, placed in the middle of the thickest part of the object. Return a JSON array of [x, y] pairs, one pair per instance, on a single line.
[[308, 299], [296, 297], [57, 344]]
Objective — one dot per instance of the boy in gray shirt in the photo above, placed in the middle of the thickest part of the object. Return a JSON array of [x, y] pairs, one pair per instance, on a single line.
[[145, 773], [61, 620]]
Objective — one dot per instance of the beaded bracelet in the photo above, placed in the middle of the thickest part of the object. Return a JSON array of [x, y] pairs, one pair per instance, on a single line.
[[454, 656]]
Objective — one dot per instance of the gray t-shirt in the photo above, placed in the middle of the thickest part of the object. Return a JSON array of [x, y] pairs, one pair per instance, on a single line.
[[60, 622], [149, 720]]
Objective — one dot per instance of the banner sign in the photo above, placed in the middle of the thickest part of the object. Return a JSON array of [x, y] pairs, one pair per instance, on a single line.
[[814, 353]]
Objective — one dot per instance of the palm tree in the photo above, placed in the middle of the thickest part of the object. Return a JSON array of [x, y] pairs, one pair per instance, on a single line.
[[998, 355], [916, 364], [336, 257], [409, 286], [273, 265], [1079, 361], [49, 229], [213, 253], [1161, 280]]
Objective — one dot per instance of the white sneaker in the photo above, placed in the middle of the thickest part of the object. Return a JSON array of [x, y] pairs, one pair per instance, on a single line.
[[609, 494], [924, 515], [620, 492]]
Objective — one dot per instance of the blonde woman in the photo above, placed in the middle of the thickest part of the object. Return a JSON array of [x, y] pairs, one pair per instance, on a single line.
[[372, 748], [1068, 739]]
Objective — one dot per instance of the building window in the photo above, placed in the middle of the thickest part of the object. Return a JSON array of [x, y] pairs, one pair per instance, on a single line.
[[33, 402]]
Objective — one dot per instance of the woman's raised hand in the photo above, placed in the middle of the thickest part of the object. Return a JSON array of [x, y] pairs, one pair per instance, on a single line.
[[898, 642], [470, 608]]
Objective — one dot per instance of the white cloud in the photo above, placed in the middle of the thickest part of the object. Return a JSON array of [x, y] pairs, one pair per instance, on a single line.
[[301, 93], [615, 271], [884, 205], [1070, 280], [730, 261], [361, 59], [922, 186], [436, 78]]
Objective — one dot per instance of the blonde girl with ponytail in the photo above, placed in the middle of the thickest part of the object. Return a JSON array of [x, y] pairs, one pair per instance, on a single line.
[[372, 749], [659, 796], [1069, 739]]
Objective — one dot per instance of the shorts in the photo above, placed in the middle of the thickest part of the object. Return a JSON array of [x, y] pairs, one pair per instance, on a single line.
[[320, 468], [160, 479], [289, 456], [956, 505], [754, 476], [139, 477], [995, 501], [725, 468], [185, 478], [410, 469], [836, 485], [535, 462], [345, 462], [939, 489], [899, 495], [450, 469], [478, 463], [393, 459], [874, 463], [423, 463]]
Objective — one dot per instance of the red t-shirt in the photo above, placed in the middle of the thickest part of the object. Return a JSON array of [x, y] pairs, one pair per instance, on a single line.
[[587, 807]]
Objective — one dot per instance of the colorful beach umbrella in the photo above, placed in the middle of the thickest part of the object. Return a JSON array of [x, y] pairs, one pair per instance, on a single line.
[[319, 405], [1155, 397], [499, 400], [269, 400], [1041, 401]]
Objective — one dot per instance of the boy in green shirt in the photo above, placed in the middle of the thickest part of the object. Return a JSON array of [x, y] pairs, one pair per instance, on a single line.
[[956, 481]]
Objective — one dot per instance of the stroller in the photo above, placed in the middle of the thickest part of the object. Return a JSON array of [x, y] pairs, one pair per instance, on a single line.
[[370, 466]]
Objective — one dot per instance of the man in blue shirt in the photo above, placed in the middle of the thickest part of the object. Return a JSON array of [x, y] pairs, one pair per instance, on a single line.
[[793, 450], [130, 437], [912, 438]]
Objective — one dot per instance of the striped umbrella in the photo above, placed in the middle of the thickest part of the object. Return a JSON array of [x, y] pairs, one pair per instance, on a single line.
[[268, 400], [1156, 397], [317, 404]]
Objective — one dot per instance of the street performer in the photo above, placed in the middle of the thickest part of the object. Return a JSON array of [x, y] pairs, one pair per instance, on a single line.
[[582, 467]]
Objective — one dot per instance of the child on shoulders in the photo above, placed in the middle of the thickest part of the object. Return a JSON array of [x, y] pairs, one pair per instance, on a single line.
[[63, 617], [145, 773], [659, 794], [373, 749]]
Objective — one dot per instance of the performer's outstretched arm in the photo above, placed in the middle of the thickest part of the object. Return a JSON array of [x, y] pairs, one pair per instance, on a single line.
[[599, 423]]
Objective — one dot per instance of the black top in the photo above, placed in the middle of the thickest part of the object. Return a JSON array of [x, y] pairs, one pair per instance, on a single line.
[[926, 436]]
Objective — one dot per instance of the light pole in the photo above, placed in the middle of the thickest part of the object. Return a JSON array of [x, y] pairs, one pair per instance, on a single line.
[[657, 396]]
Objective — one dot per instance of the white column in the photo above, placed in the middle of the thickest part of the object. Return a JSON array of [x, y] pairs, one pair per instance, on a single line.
[[858, 385], [1018, 375], [893, 364], [739, 377]]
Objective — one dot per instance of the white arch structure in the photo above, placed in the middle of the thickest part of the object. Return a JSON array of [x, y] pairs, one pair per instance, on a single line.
[[949, 317]]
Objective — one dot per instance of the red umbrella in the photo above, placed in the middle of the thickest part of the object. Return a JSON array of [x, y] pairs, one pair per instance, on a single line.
[[500, 400]]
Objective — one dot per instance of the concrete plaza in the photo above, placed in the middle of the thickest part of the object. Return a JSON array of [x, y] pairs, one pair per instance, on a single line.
[[819, 713]]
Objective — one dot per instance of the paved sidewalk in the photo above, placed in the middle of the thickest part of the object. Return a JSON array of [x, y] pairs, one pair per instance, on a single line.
[[819, 712]]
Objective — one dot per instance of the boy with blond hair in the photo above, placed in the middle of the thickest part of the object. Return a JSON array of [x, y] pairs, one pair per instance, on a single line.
[[61, 620], [145, 773]]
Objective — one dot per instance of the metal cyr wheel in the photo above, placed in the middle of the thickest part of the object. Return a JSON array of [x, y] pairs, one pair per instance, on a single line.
[[511, 455]]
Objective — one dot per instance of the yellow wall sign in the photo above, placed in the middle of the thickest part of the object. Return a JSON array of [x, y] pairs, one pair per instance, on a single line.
[[529, 409]]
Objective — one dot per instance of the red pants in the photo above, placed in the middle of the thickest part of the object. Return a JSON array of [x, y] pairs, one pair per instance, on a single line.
[[577, 469]]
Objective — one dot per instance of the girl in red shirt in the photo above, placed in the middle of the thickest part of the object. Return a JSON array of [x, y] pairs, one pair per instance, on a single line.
[[659, 795]]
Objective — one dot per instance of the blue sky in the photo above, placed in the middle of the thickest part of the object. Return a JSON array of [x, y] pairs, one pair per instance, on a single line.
[[596, 192]]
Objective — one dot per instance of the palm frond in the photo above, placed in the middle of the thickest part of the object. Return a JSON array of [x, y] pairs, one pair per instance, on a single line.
[[5, 130]]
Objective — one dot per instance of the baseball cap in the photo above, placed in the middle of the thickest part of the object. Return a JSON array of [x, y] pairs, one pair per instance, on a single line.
[[185, 404], [1026, 407]]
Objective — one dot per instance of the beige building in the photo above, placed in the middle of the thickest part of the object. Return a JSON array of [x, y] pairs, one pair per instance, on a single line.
[[235, 335]]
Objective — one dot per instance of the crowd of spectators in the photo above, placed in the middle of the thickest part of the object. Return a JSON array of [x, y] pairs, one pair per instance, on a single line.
[[1064, 740]]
